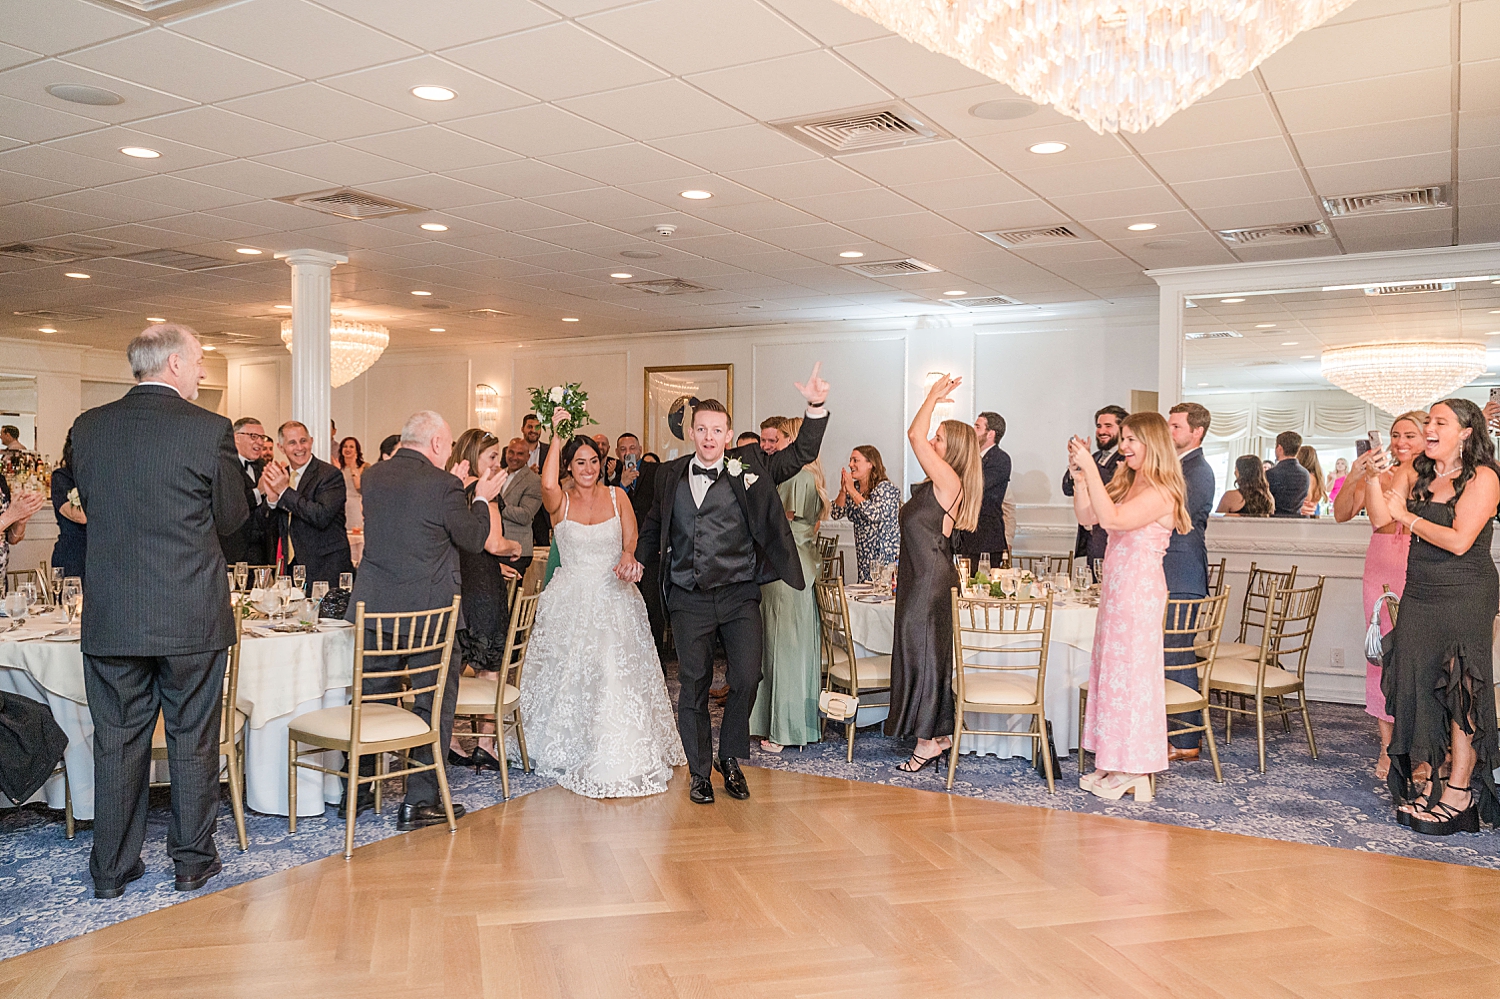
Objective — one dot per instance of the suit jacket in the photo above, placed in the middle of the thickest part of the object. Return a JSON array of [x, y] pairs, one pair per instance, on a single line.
[[156, 576], [989, 535], [775, 550], [1091, 542], [255, 541], [312, 516], [1289, 484], [1186, 561], [417, 519], [522, 497], [541, 524]]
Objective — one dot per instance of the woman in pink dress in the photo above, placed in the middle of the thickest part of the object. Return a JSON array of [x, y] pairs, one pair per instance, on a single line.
[[1126, 724], [1385, 559]]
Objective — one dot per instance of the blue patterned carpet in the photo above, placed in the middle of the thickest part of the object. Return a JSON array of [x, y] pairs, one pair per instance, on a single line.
[[46, 895]]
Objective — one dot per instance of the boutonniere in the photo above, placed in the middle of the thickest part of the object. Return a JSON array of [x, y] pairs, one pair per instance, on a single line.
[[750, 480], [734, 467]]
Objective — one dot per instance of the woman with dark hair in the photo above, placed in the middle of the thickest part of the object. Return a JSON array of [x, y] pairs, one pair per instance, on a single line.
[[592, 693], [872, 503], [72, 531], [1251, 495], [351, 458], [1317, 489], [1439, 673], [650, 458], [389, 445]]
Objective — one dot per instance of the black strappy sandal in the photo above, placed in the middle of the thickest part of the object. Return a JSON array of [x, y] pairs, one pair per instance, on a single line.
[[921, 762], [1415, 800], [1447, 819]]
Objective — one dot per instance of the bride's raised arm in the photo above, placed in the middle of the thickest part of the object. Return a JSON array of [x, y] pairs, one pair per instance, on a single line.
[[552, 493]]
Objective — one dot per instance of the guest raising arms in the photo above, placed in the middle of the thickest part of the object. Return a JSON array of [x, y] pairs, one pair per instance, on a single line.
[[1439, 675], [922, 652], [1385, 559], [1251, 496], [1126, 723], [872, 503]]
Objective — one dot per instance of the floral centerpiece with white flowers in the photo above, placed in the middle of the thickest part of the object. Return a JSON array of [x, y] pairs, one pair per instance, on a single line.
[[570, 398]]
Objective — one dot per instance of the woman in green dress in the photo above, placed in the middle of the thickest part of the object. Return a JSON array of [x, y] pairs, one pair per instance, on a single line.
[[786, 705]]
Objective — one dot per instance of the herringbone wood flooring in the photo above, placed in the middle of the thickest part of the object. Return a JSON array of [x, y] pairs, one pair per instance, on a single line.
[[814, 887]]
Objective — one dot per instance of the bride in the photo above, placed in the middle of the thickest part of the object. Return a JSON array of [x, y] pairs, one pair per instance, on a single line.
[[592, 694]]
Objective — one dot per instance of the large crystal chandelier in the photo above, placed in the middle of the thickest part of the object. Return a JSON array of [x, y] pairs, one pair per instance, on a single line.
[[1399, 377], [353, 347], [1116, 65]]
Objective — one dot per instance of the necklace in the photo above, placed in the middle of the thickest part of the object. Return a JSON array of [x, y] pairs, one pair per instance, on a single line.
[[1445, 475]]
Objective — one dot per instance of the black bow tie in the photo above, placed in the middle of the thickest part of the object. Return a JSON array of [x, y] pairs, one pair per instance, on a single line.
[[712, 474]]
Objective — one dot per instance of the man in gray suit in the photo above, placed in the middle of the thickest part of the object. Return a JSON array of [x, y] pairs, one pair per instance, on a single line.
[[157, 624], [416, 521], [523, 498]]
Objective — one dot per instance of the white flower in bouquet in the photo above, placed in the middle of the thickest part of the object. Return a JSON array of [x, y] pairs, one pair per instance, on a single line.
[[570, 398], [557, 394]]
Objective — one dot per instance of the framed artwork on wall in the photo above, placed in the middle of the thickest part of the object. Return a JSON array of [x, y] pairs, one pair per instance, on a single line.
[[670, 392]]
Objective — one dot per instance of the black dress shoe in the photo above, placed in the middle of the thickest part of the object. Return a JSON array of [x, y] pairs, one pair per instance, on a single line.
[[417, 816], [365, 802], [702, 791], [115, 891], [459, 760], [734, 779], [192, 882], [485, 760]]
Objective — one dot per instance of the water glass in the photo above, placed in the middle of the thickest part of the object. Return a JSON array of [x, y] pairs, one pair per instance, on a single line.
[[72, 597], [299, 577], [29, 589], [319, 589], [15, 604], [58, 575], [1098, 570], [1080, 578], [346, 580], [983, 569], [307, 612], [264, 576], [241, 575]]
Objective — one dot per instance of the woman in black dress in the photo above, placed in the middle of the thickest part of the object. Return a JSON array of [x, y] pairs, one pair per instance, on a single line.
[[72, 529], [1439, 675], [922, 653]]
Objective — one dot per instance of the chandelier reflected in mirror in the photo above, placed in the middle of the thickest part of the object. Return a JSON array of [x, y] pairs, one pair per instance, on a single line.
[[353, 347], [1116, 65], [1400, 377]]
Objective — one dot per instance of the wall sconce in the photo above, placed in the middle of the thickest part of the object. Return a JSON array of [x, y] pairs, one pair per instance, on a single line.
[[486, 407]]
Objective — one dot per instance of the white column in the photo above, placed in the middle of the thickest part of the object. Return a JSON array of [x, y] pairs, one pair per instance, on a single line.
[[312, 388]]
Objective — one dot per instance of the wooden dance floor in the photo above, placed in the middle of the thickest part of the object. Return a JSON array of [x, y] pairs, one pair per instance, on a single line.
[[814, 887]]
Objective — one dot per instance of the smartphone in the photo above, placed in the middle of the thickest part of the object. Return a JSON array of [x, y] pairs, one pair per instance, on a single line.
[[1495, 393], [1361, 446], [631, 461], [1374, 438]]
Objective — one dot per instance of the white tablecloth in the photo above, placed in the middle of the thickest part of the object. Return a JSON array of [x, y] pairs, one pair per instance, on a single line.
[[281, 677], [873, 625]]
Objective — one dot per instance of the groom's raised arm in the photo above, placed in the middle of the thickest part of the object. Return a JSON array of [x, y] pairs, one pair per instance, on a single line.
[[788, 462]]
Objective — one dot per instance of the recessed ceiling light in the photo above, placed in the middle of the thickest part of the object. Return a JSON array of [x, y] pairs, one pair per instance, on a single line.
[[1289, 343], [76, 274], [1004, 110], [1493, 333], [287, 308], [433, 93], [1048, 148], [209, 346], [46, 329], [79, 93], [1230, 301], [436, 329], [155, 319], [434, 227], [570, 319], [248, 251], [622, 275], [1142, 227], [140, 152], [422, 293], [1307, 357], [697, 195], [1495, 312], [851, 254], [1265, 326], [952, 294]]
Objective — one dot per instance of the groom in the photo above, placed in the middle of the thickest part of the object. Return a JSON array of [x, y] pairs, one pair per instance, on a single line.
[[720, 529]]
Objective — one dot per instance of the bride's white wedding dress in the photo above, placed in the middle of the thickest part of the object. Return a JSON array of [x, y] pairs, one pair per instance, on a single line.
[[592, 694]]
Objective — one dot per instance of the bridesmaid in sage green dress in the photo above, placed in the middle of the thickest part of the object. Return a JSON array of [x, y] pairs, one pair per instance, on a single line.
[[786, 705]]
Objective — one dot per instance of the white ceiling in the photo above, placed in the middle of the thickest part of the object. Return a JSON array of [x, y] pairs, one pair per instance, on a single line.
[[578, 122]]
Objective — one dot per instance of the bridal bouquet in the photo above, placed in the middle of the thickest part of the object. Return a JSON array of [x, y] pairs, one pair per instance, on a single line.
[[570, 398]]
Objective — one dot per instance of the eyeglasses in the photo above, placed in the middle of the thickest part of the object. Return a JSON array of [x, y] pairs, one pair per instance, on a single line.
[[255, 437]]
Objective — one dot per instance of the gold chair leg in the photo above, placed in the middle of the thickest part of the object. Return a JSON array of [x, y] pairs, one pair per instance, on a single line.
[[849, 726], [380, 766], [1213, 750], [236, 797], [68, 823], [1286, 721], [442, 776], [504, 763], [291, 783], [1228, 719], [1046, 752], [1083, 699], [1312, 746], [1260, 730], [958, 735], [351, 803], [521, 741]]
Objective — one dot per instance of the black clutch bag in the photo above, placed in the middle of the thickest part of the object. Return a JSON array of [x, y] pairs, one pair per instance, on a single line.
[[335, 604]]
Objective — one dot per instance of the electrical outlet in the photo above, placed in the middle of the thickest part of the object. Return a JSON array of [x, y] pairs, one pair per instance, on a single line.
[[1337, 657]]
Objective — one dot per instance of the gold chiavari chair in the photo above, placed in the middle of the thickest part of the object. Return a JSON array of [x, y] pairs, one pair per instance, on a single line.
[[1000, 668], [369, 726], [1278, 669], [1216, 577], [843, 669], [497, 695], [1197, 624], [536, 573], [1254, 611], [827, 545], [44, 573]]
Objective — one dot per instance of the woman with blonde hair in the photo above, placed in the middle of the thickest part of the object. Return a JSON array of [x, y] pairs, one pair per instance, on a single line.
[[922, 651], [1317, 490], [1126, 724], [785, 712]]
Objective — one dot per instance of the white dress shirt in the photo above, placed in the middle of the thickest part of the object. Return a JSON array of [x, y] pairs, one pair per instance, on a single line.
[[699, 483]]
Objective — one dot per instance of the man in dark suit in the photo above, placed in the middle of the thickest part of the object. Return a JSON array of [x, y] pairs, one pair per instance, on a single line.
[[416, 522], [1091, 542], [1186, 561], [157, 624], [307, 497], [531, 433], [719, 530], [255, 541], [1288, 480], [638, 479], [989, 536]]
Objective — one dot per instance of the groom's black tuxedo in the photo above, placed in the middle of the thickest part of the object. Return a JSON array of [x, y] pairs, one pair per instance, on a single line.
[[713, 554]]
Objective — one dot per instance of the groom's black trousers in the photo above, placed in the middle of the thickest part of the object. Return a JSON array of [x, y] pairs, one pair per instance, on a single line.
[[732, 612]]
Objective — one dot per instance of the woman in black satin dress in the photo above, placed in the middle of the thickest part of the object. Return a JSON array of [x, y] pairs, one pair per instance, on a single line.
[[922, 651]]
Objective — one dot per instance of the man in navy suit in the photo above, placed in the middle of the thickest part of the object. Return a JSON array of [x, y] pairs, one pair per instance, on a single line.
[[1186, 561], [1289, 482], [1092, 541], [988, 537]]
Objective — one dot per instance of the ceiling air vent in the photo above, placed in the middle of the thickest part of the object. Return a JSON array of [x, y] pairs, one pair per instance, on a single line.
[[178, 260], [347, 203], [1380, 202], [983, 302], [486, 314], [892, 268], [1423, 288], [41, 254], [1215, 335], [666, 286], [886, 127], [52, 316], [1012, 238], [1291, 232]]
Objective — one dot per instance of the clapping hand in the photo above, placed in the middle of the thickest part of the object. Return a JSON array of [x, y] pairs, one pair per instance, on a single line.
[[815, 389], [1078, 454], [490, 485], [273, 480], [461, 471], [24, 504], [628, 570], [848, 486]]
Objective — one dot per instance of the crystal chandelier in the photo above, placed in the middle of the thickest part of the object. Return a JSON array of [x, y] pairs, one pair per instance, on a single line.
[[1116, 65], [353, 347], [1399, 377]]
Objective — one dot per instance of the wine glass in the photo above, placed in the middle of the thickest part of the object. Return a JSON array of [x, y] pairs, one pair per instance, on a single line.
[[1008, 584], [283, 595], [58, 575], [241, 574], [29, 589], [299, 577], [72, 598], [1098, 570], [983, 569], [1080, 578], [319, 589], [346, 580], [264, 576]]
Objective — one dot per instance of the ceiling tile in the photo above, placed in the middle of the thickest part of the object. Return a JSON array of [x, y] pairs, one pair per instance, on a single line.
[[792, 86], [1060, 179], [206, 226], [538, 130], [319, 111], [50, 28], [106, 143], [758, 216], [910, 70], [34, 123], [1478, 128], [828, 22], [1014, 215], [214, 128], [1382, 175], [293, 35], [461, 21], [29, 83], [553, 62], [1370, 142], [524, 178], [895, 229], [688, 36], [1303, 209], [338, 165], [70, 168], [876, 202], [432, 148], [1366, 101], [602, 204], [18, 187], [657, 110], [802, 180], [1212, 123], [1478, 162], [668, 193], [181, 194], [12, 56], [431, 191], [806, 237], [110, 205], [1232, 159], [1279, 186], [1481, 31], [1479, 87], [1337, 52], [390, 86], [632, 164], [257, 179], [1012, 150], [965, 192], [1113, 204], [515, 215], [914, 164], [737, 148], [166, 61]]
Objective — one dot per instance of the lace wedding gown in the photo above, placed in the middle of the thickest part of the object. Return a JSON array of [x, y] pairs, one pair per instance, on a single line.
[[592, 694]]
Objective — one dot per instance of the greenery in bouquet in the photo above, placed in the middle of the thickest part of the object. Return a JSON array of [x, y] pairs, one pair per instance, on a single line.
[[571, 398]]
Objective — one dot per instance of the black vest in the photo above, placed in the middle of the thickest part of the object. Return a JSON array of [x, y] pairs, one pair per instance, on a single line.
[[711, 544]]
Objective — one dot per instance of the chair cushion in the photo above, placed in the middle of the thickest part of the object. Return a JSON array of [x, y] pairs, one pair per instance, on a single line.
[[1239, 674], [159, 736], [476, 694], [874, 671], [995, 687], [1179, 694], [1239, 650], [378, 723]]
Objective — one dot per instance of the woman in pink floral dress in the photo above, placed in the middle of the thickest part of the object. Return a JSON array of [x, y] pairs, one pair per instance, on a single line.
[[1126, 724]]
